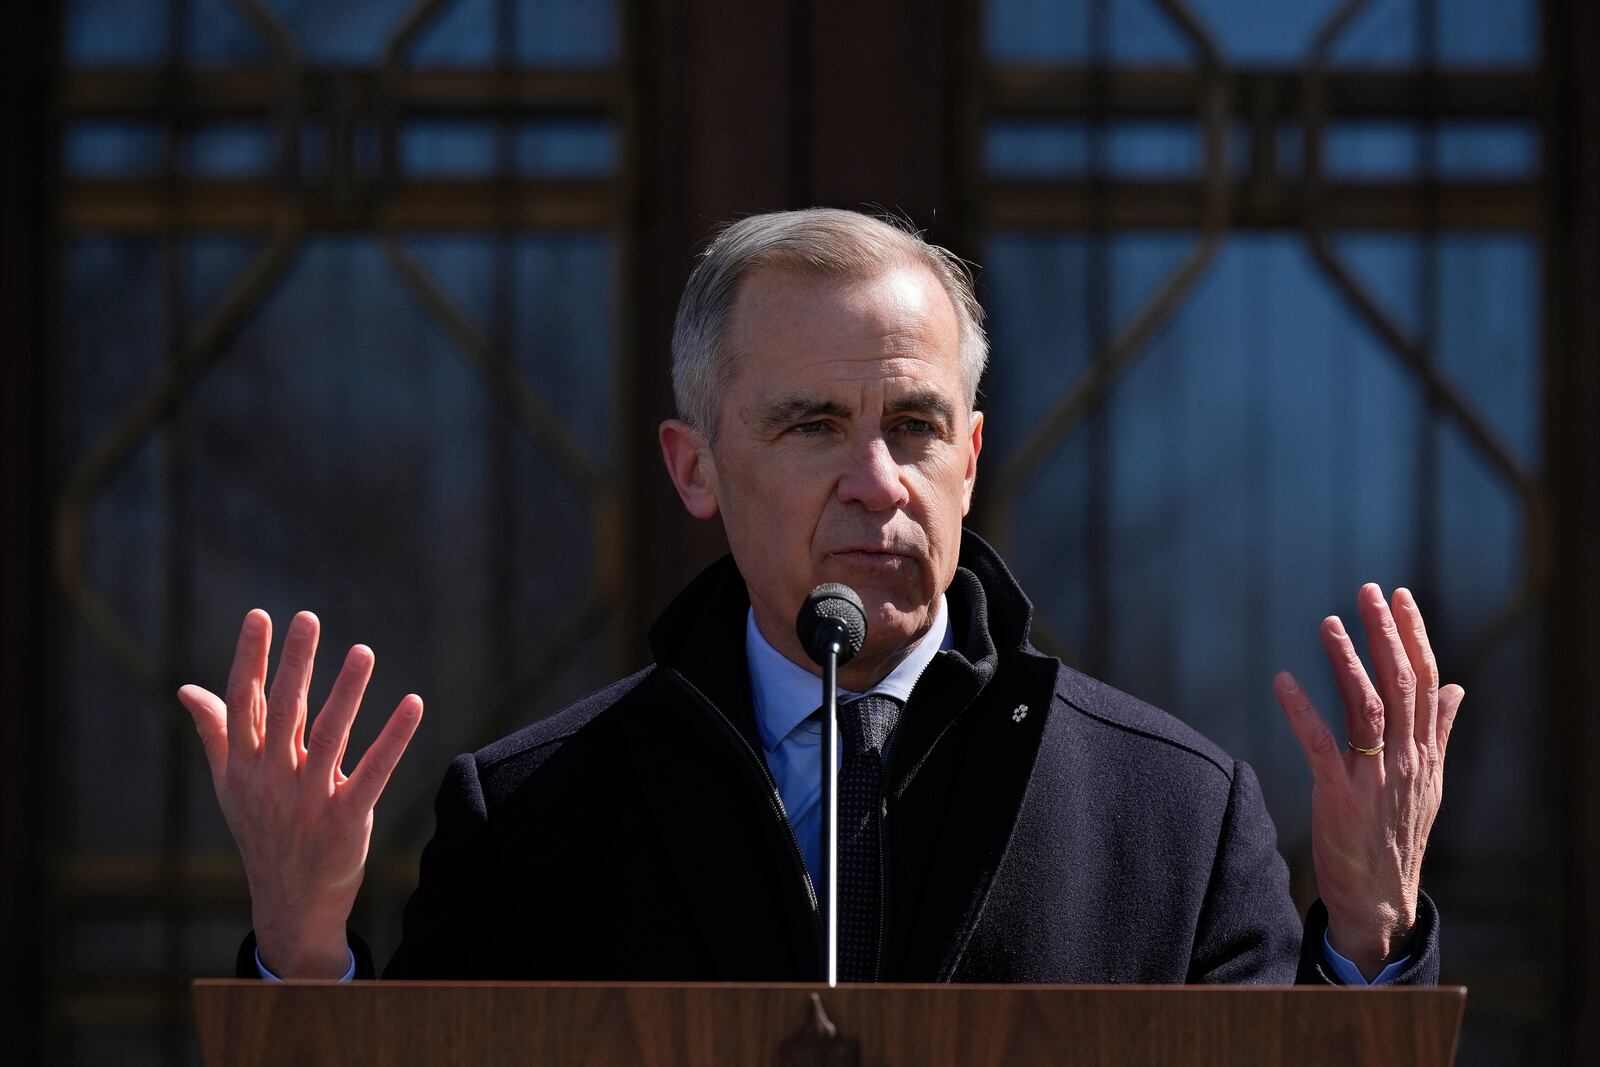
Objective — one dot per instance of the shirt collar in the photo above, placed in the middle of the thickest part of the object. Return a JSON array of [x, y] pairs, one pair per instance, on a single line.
[[785, 693]]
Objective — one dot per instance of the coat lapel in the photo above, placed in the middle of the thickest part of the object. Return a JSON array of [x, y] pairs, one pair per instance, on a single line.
[[952, 814]]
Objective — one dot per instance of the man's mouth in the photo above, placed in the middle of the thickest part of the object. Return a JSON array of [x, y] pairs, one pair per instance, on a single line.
[[870, 557]]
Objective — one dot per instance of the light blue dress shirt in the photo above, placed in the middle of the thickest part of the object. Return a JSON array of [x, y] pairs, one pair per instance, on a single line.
[[785, 694]]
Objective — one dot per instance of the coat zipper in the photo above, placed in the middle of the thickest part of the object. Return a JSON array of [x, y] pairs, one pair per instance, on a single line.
[[883, 884], [775, 800]]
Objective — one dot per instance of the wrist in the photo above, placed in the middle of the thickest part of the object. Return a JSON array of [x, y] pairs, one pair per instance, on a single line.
[[1371, 946], [304, 952]]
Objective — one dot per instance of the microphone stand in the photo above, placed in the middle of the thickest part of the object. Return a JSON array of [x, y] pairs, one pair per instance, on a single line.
[[830, 813]]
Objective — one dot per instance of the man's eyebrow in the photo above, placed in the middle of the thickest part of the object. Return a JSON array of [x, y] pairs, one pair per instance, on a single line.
[[923, 402], [795, 409]]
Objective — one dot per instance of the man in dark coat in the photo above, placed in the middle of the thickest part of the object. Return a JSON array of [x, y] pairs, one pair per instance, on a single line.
[[1036, 825]]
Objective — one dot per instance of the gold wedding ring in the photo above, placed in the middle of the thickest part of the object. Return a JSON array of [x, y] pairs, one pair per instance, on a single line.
[[1366, 751]]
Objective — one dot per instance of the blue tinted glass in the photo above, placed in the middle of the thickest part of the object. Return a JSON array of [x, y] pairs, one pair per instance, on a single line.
[[1489, 290], [1468, 33], [1489, 32], [111, 149], [1389, 266], [567, 148], [554, 148], [566, 33], [112, 32], [1153, 149], [349, 33], [564, 330], [230, 150], [1384, 33], [1022, 30], [463, 35], [1052, 31], [114, 345], [1489, 150], [440, 147], [1372, 150], [1261, 31], [216, 31], [1142, 33], [1036, 148], [343, 413], [1064, 148]]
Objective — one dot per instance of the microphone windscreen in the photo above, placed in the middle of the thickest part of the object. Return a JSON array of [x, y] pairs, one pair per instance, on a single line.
[[831, 611]]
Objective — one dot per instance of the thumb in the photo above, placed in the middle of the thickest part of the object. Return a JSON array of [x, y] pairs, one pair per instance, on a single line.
[[1450, 698], [210, 717]]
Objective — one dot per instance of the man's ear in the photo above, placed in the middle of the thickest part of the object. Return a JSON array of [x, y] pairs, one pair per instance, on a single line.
[[976, 419], [689, 463]]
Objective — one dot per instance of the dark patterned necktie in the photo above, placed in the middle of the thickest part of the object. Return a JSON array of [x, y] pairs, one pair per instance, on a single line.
[[864, 727]]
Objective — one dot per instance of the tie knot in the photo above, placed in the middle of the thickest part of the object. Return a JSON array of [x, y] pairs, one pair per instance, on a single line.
[[866, 723]]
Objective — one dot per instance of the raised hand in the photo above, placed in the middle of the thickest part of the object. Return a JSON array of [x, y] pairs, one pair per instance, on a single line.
[[1374, 799], [302, 825]]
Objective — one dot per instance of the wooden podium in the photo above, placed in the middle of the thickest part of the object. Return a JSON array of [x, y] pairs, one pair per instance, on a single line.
[[759, 1025]]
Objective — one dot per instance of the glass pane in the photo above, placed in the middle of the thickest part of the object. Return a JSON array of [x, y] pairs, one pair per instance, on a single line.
[[230, 150], [1262, 32], [1489, 150], [1067, 31], [462, 36], [113, 328], [1034, 149], [548, 148], [111, 149], [217, 32], [113, 33], [567, 148], [1468, 33]]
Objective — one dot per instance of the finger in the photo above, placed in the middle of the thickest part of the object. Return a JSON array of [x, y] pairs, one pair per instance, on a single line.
[[1316, 740], [1397, 680], [1409, 619], [210, 715], [286, 703], [1363, 708], [372, 773], [331, 731], [246, 678], [1450, 698]]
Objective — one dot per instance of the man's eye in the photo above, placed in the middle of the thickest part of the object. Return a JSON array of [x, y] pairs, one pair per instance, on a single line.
[[810, 429], [921, 427]]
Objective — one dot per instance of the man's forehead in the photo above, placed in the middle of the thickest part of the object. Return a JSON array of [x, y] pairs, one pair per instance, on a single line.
[[850, 390]]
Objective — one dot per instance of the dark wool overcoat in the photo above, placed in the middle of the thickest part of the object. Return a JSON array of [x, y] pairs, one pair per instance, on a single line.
[[1041, 826]]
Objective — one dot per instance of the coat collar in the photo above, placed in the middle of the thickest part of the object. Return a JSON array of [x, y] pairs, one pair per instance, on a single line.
[[701, 632]]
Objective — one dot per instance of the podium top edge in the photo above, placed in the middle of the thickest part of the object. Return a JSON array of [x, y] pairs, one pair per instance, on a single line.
[[1305, 990]]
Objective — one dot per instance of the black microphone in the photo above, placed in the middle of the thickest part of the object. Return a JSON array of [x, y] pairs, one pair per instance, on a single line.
[[832, 627], [833, 622]]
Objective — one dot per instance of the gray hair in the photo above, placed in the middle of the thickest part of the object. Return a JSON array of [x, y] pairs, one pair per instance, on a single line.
[[815, 242]]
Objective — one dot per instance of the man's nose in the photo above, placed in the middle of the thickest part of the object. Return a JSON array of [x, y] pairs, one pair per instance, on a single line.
[[873, 479]]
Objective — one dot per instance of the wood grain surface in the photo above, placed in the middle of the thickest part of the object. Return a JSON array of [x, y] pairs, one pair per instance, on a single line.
[[666, 1025]]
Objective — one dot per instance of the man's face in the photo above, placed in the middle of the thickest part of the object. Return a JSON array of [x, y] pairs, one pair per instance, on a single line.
[[845, 451]]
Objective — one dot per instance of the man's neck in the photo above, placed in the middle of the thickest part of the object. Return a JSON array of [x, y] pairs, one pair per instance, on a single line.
[[864, 671]]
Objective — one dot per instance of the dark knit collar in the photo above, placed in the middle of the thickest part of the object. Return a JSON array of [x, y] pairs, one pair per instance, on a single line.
[[701, 633]]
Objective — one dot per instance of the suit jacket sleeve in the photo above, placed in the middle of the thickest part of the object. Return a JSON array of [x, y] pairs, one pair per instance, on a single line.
[[447, 931], [1248, 930]]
